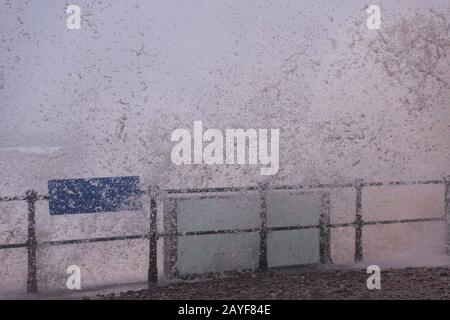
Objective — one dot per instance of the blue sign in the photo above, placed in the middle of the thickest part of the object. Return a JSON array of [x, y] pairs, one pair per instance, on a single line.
[[71, 196]]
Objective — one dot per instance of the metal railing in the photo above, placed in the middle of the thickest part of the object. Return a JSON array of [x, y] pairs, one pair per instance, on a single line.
[[154, 194]]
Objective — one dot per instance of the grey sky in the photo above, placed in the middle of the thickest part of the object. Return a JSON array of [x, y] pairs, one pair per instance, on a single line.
[[107, 97]]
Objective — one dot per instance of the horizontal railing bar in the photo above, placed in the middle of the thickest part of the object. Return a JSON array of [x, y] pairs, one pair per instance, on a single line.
[[13, 245], [403, 221], [201, 190], [292, 228], [350, 224], [227, 231], [18, 198], [91, 240], [401, 183], [235, 189], [341, 225], [310, 187], [297, 227], [224, 231], [255, 188]]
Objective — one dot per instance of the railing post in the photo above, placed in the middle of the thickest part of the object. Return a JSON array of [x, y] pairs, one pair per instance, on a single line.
[[31, 197], [447, 213], [153, 238], [262, 187], [358, 223], [325, 232], [171, 239]]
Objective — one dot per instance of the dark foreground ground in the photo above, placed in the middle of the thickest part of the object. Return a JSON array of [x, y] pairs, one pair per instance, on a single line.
[[409, 283]]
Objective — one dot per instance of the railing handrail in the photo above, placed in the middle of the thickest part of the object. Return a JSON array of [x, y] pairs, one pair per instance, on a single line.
[[154, 193]]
